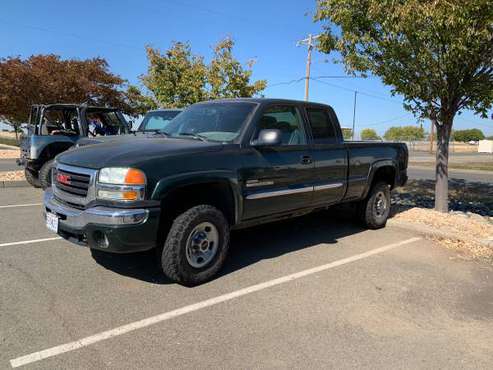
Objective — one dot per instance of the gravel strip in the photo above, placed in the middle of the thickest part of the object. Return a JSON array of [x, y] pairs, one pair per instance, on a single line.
[[12, 175], [9, 154]]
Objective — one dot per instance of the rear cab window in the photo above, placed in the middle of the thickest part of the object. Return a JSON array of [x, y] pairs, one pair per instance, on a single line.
[[322, 126]]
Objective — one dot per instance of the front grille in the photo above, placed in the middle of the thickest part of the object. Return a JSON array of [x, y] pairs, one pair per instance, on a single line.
[[71, 182]]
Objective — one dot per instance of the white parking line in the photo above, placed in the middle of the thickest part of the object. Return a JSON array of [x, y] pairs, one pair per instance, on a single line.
[[84, 342], [29, 241], [21, 205]]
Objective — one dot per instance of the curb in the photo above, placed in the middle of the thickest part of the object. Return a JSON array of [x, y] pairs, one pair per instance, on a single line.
[[433, 232], [14, 184], [450, 170], [9, 147]]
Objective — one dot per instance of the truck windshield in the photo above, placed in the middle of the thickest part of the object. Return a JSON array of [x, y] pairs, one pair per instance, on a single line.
[[158, 120], [210, 121]]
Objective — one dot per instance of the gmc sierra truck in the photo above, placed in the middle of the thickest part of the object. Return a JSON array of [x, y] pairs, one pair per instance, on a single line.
[[218, 166]]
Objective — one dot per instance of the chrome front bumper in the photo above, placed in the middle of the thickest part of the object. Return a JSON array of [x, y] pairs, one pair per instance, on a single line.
[[78, 219]]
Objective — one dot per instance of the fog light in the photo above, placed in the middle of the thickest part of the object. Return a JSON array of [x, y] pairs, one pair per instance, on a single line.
[[135, 218], [100, 239]]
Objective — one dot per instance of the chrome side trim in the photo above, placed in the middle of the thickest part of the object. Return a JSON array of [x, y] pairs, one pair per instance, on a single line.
[[328, 186], [253, 183], [306, 189], [277, 193]]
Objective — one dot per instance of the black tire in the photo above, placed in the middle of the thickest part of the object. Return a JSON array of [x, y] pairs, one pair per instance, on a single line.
[[45, 174], [375, 209], [174, 260], [31, 178]]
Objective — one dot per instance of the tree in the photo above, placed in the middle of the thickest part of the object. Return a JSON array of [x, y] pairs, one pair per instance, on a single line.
[[179, 78], [176, 78], [369, 134], [44, 79], [404, 133], [227, 78], [465, 136], [347, 133], [436, 53]]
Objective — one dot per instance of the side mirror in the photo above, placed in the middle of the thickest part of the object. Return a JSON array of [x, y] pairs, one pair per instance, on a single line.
[[268, 137]]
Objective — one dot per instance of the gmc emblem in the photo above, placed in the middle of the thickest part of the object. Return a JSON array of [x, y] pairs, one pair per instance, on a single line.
[[63, 179]]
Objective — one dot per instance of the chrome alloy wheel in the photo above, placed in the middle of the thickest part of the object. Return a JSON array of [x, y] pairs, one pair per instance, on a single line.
[[202, 244], [380, 204]]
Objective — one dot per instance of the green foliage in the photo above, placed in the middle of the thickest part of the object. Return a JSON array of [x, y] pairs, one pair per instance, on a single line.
[[489, 138], [139, 103], [347, 133], [369, 134], [473, 134], [227, 78], [404, 133], [178, 78], [437, 54], [175, 78]]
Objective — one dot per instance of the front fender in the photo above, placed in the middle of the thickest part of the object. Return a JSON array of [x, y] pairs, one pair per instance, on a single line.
[[164, 186]]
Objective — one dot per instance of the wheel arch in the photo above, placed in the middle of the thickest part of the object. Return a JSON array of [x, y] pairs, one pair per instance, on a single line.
[[385, 170], [217, 188]]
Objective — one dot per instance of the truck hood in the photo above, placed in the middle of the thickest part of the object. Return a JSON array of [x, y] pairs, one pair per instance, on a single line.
[[130, 150], [83, 141]]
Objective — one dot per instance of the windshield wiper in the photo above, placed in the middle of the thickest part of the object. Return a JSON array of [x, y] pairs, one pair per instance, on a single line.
[[195, 136], [156, 131]]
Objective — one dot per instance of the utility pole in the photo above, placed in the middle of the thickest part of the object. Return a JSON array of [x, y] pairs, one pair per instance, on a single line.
[[309, 43], [354, 113]]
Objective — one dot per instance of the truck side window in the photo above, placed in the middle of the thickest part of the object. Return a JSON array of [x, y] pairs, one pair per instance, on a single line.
[[322, 128], [285, 118]]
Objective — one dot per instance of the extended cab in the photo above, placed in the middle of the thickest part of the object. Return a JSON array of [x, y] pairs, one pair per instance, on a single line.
[[218, 166]]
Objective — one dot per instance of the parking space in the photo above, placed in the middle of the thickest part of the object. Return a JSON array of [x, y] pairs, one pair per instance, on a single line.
[[309, 292]]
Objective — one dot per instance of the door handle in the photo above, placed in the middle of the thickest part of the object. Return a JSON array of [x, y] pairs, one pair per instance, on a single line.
[[306, 159]]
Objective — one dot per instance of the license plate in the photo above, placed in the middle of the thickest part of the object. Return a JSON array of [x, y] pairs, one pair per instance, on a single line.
[[52, 222]]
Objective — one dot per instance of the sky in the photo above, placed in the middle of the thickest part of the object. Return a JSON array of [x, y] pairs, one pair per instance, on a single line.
[[267, 31]]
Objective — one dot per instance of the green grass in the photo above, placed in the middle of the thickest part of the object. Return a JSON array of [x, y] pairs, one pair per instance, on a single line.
[[8, 141]]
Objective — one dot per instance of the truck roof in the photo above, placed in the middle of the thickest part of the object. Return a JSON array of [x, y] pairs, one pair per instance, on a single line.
[[262, 101]]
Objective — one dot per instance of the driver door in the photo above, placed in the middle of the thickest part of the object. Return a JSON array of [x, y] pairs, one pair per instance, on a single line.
[[279, 179]]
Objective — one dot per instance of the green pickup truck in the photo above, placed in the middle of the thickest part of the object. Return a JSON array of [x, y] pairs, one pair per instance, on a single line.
[[218, 166]]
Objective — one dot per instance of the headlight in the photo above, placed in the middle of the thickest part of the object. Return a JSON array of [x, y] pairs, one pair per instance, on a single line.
[[121, 184]]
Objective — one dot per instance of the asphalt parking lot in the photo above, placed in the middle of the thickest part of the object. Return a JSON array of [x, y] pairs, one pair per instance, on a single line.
[[317, 291]]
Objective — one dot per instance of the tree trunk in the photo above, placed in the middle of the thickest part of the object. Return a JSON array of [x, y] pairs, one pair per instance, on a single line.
[[441, 186]]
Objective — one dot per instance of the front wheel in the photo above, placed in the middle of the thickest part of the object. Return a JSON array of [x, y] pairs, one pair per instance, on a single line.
[[45, 174], [31, 178], [196, 246], [375, 209]]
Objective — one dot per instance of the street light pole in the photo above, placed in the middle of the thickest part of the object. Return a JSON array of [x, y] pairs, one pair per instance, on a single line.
[[354, 114]]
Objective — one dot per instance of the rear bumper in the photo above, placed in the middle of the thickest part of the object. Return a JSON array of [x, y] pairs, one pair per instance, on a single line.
[[110, 229]]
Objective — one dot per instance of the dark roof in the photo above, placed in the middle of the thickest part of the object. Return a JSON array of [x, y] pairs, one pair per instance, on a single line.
[[262, 101]]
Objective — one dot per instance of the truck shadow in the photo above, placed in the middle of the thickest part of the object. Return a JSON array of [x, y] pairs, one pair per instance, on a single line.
[[464, 196], [247, 246]]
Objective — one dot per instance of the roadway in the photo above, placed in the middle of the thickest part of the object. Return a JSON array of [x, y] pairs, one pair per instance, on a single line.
[[313, 292]]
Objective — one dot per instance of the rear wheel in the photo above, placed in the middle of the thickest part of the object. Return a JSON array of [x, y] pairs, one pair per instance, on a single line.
[[196, 246], [45, 174], [375, 209], [31, 178]]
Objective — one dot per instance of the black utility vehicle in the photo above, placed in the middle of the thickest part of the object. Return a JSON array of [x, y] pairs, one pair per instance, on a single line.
[[54, 128], [218, 166]]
